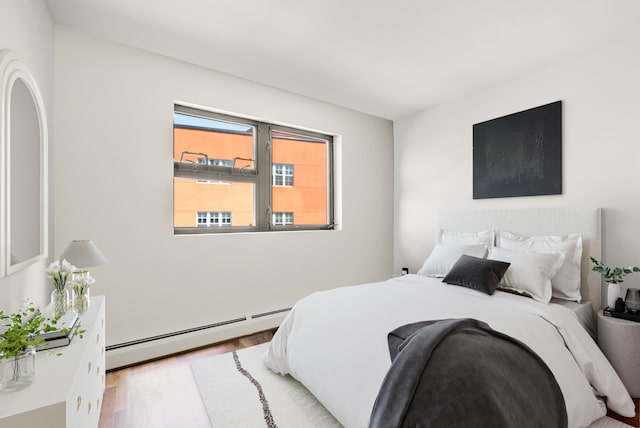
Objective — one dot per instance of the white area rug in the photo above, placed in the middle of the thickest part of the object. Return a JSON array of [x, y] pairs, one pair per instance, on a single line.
[[254, 396], [246, 394]]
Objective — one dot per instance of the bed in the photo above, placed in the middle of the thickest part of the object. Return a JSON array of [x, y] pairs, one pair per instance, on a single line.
[[337, 343]]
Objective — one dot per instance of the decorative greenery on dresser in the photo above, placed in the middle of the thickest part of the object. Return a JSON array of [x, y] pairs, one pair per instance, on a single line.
[[19, 340]]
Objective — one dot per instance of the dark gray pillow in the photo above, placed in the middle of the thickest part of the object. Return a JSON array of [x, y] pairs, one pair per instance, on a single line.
[[480, 274]]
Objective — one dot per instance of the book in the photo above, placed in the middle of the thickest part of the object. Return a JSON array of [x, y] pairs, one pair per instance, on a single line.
[[629, 316], [55, 343], [60, 340], [68, 320]]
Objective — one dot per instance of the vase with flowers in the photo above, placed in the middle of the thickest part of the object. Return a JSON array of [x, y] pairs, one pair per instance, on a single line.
[[613, 278], [18, 342], [79, 284], [60, 272]]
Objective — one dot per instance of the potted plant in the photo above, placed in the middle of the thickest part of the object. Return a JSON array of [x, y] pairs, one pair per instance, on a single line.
[[613, 277], [19, 341]]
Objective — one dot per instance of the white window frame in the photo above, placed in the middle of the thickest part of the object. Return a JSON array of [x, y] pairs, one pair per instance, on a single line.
[[285, 174], [282, 218], [213, 218], [216, 162], [261, 175]]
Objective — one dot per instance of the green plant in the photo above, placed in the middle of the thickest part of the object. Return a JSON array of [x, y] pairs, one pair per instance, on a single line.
[[612, 275], [19, 330]]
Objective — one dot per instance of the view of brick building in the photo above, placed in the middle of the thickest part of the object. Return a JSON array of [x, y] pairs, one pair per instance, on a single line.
[[298, 187]]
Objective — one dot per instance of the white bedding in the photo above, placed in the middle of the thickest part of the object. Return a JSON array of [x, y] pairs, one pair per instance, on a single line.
[[584, 313], [335, 343]]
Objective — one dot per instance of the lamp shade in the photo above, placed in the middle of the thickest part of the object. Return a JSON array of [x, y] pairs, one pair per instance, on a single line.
[[83, 254]]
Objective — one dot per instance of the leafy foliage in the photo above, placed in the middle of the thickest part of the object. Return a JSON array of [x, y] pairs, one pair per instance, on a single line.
[[612, 275], [21, 327]]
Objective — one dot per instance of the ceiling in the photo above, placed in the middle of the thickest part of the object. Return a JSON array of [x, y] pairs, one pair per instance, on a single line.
[[382, 57]]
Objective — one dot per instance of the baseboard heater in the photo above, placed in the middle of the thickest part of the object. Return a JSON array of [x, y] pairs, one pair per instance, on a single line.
[[172, 334], [264, 314], [192, 330]]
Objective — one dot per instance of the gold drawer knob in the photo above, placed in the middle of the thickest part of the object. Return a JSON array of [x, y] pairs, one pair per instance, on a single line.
[[79, 403]]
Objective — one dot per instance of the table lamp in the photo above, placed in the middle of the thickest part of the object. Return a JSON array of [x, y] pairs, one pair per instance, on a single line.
[[83, 254]]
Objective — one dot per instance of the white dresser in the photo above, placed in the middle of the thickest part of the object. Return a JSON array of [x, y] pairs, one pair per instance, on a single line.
[[67, 389]]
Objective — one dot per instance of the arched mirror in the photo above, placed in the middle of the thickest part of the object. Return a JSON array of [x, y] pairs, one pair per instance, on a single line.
[[23, 157]]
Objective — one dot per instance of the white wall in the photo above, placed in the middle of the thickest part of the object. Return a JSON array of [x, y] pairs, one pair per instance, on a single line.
[[114, 115], [600, 93], [26, 28]]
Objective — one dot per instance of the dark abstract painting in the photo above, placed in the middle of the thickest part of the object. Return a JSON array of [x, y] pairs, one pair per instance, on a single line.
[[519, 154]]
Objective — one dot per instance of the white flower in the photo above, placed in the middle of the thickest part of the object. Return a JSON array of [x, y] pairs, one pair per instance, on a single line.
[[53, 269], [59, 272], [81, 283]]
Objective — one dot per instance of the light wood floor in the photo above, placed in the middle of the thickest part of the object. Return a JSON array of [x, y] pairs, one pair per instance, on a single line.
[[163, 393]]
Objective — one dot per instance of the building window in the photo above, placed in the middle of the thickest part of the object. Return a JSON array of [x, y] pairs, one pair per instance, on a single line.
[[282, 219], [207, 219], [248, 168], [215, 162], [282, 174]]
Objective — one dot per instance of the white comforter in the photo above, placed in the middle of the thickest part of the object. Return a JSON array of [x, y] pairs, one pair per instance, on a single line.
[[335, 343]]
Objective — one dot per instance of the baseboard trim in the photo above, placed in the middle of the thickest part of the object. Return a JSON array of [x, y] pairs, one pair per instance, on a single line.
[[138, 351]]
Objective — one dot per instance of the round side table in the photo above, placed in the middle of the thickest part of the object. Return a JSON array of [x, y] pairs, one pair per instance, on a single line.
[[620, 342]]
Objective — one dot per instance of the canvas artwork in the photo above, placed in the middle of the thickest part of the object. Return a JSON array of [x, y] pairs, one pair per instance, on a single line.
[[519, 154]]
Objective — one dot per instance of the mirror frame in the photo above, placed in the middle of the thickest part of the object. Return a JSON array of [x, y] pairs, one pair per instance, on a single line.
[[12, 69]]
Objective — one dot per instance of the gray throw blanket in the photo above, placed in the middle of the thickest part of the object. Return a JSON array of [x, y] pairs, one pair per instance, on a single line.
[[461, 373]]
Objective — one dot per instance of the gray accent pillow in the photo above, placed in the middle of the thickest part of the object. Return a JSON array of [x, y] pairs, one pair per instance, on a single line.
[[476, 273]]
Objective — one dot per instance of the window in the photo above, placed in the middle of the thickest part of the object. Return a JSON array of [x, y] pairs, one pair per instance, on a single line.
[[282, 174], [206, 219], [239, 173], [215, 162], [282, 219]]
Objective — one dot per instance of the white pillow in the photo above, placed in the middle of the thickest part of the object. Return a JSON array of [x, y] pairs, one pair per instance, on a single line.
[[443, 257], [529, 273], [454, 237], [566, 283]]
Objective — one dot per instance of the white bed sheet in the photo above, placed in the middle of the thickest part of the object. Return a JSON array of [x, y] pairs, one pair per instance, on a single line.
[[335, 343], [584, 312]]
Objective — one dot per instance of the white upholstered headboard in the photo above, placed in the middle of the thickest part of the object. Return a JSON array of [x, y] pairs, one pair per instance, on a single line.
[[540, 221]]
